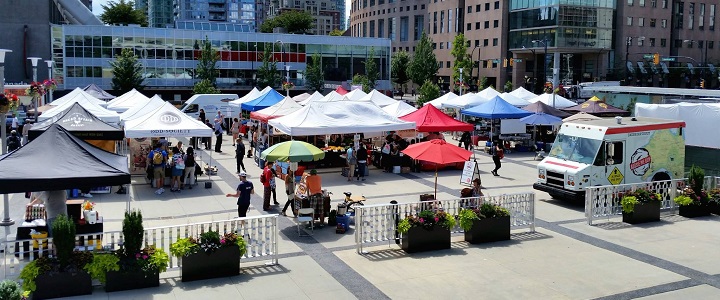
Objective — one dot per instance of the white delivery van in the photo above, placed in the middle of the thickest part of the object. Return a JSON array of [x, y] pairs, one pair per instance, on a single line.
[[211, 103], [611, 152]]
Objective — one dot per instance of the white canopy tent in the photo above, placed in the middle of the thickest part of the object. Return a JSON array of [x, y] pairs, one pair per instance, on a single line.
[[166, 121], [86, 101], [250, 96], [442, 99], [126, 101], [301, 97], [77, 91], [398, 109], [141, 109], [553, 100], [282, 108], [314, 97], [338, 117], [488, 93], [700, 120], [355, 94], [331, 96], [464, 101], [522, 93], [515, 101], [379, 99]]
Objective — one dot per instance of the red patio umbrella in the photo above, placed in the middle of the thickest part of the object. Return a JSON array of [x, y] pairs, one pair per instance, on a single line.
[[437, 152]]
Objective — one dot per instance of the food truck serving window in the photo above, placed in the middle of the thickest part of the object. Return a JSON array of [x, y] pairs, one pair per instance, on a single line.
[[573, 148]]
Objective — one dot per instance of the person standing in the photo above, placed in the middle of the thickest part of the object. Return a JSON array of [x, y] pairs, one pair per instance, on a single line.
[[207, 140], [273, 186], [189, 174], [178, 169], [55, 205], [243, 192], [202, 116], [290, 191], [218, 135], [362, 157], [497, 155], [157, 159], [239, 154], [13, 141], [265, 180], [14, 123], [465, 139], [26, 131], [235, 129], [351, 160]]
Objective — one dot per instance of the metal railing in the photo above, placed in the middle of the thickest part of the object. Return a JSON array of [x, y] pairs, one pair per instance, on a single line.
[[260, 234], [603, 202], [378, 223]]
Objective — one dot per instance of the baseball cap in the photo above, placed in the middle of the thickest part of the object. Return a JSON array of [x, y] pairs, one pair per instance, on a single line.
[[243, 174]]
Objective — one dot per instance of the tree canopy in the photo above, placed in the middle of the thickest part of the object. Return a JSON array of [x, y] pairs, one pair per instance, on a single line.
[[314, 75], [207, 61], [294, 21], [428, 92], [399, 66], [127, 72], [268, 74], [423, 65], [371, 70], [462, 60], [205, 87], [122, 12]]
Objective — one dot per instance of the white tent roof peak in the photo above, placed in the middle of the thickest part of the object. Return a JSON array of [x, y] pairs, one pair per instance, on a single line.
[[399, 109], [379, 98], [522, 93], [78, 91], [515, 101], [316, 96], [166, 121], [142, 109], [355, 94], [553, 100], [442, 99], [252, 95], [88, 103], [464, 101], [488, 93], [126, 101]]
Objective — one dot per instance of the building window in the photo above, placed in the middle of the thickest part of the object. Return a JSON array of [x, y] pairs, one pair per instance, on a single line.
[[372, 28], [629, 21], [477, 25], [495, 42], [486, 42], [442, 21], [663, 23], [630, 2], [477, 43], [653, 3], [497, 4], [664, 3], [663, 43], [477, 8], [381, 28], [404, 23], [641, 3], [469, 9], [487, 24], [496, 23], [652, 42], [422, 6], [391, 28], [701, 44], [710, 44], [447, 64], [691, 22], [678, 43], [641, 42], [641, 22], [652, 22], [487, 6], [711, 19], [419, 25], [435, 23]]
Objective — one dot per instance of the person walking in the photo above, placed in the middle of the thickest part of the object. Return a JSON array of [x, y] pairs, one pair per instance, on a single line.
[[265, 180], [207, 140], [235, 128], [218, 135], [290, 191], [243, 192], [157, 159], [465, 139], [273, 186], [189, 172], [239, 154], [362, 157], [202, 116], [351, 161], [497, 154], [178, 169], [13, 141], [26, 131]]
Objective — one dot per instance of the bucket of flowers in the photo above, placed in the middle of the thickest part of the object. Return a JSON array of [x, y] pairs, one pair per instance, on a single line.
[[211, 255], [50, 84], [8, 102], [641, 206], [426, 231], [287, 85]]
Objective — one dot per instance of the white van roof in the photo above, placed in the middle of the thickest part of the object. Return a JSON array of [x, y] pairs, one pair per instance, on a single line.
[[194, 98]]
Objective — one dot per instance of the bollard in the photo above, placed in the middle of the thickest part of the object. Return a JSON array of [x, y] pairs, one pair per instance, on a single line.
[[396, 216]]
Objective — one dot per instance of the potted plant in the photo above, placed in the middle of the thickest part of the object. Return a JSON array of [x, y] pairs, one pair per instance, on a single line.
[[130, 267], [11, 290], [62, 275], [209, 256], [693, 200], [641, 206], [489, 223], [714, 201], [427, 231]]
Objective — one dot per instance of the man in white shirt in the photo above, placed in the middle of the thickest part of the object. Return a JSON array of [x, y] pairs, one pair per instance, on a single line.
[[14, 125], [55, 204], [25, 131]]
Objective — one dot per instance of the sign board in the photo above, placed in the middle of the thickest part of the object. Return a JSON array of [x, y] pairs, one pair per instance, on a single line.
[[648, 56], [615, 176], [667, 59], [518, 60], [469, 173]]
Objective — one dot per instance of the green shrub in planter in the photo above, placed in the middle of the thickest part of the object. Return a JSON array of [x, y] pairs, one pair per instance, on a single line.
[[63, 236], [133, 230], [10, 290]]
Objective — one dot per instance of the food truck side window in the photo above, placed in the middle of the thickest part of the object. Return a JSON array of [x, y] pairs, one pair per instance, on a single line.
[[193, 108], [614, 152]]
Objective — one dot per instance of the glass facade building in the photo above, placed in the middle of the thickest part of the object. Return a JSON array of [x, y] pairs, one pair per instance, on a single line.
[[82, 55]]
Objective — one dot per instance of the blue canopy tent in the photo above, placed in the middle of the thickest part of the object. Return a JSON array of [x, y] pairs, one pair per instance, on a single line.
[[268, 99], [496, 108]]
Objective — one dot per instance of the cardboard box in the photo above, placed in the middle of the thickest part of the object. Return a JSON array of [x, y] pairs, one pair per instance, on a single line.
[[405, 170]]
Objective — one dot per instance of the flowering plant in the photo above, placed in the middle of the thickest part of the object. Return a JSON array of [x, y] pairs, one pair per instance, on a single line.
[[690, 197], [208, 242], [714, 195], [36, 90], [50, 84], [287, 85], [639, 196], [87, 205], [427, 219], [10, 101]]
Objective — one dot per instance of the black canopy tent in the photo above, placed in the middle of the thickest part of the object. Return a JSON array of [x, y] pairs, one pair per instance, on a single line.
[[57, 160], [80, 123]]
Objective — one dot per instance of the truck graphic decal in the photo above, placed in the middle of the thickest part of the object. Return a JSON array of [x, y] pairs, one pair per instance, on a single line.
[[640, 161]]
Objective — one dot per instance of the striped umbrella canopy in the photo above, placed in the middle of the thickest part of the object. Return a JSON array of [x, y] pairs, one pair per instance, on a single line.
[[293, 151]]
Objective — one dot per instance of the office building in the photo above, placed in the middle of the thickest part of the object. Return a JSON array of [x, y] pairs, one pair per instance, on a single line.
[[160, 13], [325, 12], [400, 21]]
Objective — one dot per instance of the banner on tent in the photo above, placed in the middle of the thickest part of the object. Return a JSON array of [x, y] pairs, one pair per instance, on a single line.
[[139, 150], [469, 173]]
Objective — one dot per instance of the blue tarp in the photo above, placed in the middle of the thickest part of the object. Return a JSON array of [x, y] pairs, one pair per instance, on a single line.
[[496, 108], [262, 102]]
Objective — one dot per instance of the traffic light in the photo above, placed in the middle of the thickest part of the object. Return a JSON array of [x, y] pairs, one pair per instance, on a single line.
[[656, 58], [702, 83], [505, 63], [512, 62]]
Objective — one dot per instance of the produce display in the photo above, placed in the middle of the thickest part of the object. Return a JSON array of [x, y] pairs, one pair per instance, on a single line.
[[334, 148]]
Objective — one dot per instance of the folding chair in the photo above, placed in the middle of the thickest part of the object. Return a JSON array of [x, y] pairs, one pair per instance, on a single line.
[[306, 215]]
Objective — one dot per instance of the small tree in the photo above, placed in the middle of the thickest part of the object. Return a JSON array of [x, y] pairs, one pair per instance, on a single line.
[[122, 13], [482, 83], [268, 74], [63, 231], [371, 71], [508, 86], [360, 79], [459, 52], [132, 229], [205, 87], [294, 21], [314, 79], [206, 66], [423, 65], [428, 92], [398, 67], [127, 72]]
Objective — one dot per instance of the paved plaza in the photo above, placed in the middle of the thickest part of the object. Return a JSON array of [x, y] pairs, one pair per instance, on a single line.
[[565, 258]]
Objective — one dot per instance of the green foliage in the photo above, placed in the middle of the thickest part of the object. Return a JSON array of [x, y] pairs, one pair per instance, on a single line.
[[159, 259], [63, 230], [508, 86], [628, 204], [336, 32], [294, 21], [462, 60], [466, 217], [207, 62], [482, 83], [122, 12], [133, 230], [399, 66], [489, 210], [427, 219], [683, 200], [101, 264], [423, 65], [315, 81], [359, 79], [268, 74], [127, 72], [28, 275], [697, 178], [10, 290], [403, 226], [242, 244], [427, 92], [371, 71], [184, 247], [205, 87]]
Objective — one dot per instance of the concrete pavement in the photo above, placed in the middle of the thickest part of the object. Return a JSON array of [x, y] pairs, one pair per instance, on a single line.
[[564, 259]]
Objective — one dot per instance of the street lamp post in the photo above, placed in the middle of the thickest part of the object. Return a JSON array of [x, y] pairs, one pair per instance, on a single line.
[[6, 221], [34, 61], [461, 81], [534, 82], [544, 43], [287, 79], [49, 63], [253, 64]]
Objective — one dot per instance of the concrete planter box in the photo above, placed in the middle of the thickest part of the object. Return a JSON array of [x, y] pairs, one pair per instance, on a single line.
[[643, 213], [489, 230], [419, 239], [63, 284], [224, 262], [123, 281]]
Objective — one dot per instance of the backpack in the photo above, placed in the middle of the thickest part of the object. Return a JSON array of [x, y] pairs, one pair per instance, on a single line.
[[179, 163], [157, 157]]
